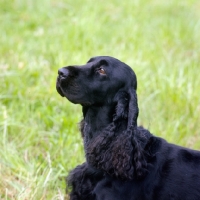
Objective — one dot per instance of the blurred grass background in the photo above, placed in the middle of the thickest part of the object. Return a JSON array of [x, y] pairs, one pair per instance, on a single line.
[[39, 137]]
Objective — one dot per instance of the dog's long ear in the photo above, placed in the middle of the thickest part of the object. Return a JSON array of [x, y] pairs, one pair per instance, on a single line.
[[122, 104], [127, 108], [133, 109]]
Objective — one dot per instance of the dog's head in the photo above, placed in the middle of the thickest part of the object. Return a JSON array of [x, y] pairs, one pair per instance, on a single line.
[[102, 80]]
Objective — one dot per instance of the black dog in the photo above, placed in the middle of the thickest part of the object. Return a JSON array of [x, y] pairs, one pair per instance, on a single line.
[[123, 161]]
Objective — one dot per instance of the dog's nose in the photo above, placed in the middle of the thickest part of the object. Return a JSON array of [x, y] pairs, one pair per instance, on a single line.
[[63, 72]]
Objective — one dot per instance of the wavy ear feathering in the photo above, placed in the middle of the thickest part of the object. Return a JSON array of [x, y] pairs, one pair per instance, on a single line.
[[127, 106], [112, 153], [139, 159]]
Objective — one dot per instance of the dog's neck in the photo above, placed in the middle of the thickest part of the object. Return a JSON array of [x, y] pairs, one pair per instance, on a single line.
[[96, 118]]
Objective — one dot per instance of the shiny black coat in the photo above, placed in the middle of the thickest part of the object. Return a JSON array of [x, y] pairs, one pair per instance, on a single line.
[[123, 161]]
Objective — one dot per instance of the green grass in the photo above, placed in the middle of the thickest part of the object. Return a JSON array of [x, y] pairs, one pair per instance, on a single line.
[[39, 137]]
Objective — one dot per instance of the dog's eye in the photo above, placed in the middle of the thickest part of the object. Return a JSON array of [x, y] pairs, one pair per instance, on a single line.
[[101, 70]]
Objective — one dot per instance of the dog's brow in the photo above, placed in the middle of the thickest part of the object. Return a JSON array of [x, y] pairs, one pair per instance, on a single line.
[[103, 62], [91, 60]]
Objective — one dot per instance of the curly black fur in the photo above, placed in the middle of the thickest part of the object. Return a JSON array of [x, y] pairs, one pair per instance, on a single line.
[[83, 180], [116, 154], [123, 161]]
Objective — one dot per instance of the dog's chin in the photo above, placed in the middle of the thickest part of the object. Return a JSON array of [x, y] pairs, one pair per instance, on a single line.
[[78, 101], [73, 99], [59, 91]]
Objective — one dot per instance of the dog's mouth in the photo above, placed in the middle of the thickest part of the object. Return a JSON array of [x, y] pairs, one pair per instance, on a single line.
[[58, 86]]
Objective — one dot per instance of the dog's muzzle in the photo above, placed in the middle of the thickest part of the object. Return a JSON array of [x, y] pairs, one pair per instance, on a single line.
[[62, 76]]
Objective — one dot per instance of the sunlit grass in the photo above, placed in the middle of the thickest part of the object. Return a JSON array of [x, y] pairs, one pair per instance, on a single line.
[[40, 140]]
